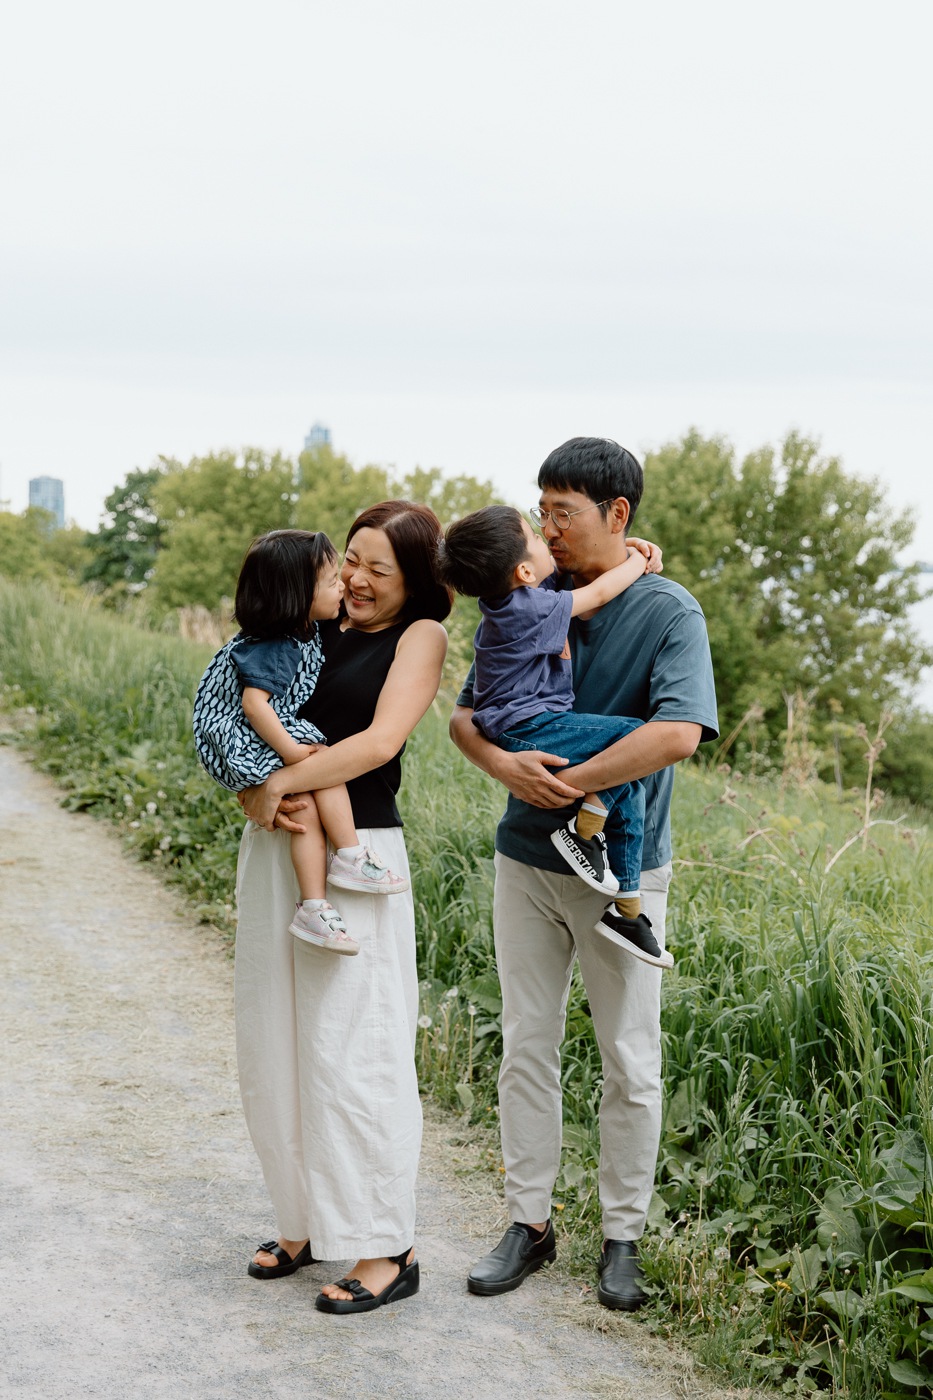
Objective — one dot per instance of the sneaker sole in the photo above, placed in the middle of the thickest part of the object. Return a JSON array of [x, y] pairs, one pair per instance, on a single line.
[[346, 882], [329, 946], [582, 872], [665, 960]]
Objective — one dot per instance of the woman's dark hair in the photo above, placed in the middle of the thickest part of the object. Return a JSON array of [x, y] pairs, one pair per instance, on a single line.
[[275, 589], [596, 467], [413, 532], [479, 554]]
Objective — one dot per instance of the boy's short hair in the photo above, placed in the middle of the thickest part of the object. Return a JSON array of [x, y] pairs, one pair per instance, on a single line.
[[596, 467], [479, 554]]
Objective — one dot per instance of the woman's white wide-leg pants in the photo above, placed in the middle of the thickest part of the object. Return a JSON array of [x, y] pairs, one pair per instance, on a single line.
[[325, 1050]]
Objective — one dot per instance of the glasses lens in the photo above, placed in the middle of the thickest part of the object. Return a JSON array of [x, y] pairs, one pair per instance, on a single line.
[[561, 519], [536, 515]]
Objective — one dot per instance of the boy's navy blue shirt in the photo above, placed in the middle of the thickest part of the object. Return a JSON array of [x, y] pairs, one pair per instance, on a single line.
[[522, 666], [646, 655]]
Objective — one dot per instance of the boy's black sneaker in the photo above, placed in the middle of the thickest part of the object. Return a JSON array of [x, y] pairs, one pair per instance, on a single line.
[[587, 857], [634, 935]]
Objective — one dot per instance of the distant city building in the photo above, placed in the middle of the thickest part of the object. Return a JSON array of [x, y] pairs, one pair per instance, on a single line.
[[318, 436], [48, 493]]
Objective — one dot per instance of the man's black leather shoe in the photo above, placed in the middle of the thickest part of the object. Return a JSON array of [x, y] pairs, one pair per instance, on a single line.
[[620, 1278], [520, 1251]]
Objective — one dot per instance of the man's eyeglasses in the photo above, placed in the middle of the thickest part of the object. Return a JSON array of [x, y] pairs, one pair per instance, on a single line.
[[561, 519]]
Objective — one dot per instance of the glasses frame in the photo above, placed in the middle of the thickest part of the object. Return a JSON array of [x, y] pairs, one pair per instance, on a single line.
[[540, 517]]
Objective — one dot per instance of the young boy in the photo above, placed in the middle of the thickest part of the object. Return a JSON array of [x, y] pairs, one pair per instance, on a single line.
[[523, 697]]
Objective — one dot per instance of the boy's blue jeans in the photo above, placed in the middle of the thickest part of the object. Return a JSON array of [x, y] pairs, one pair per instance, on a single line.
[[579, 737]]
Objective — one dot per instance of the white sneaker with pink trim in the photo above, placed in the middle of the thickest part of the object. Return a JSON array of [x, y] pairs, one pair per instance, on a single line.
[[367, 873], [324, 928]]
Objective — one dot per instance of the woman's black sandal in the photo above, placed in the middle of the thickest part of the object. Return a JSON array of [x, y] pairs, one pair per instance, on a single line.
[[286, 1264], [405, 1284]]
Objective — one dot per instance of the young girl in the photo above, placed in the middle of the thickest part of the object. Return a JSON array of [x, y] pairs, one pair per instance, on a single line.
[[246, 724]]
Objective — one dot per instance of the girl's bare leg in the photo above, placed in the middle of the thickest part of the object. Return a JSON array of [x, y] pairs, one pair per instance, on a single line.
[[309, 853], [336, 816]]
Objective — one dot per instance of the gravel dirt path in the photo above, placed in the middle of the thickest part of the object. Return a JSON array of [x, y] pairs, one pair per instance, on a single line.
[[132, 1200]]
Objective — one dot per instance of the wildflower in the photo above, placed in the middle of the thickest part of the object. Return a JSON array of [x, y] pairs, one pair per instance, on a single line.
[[127, 800], [165, 843], [452, 993], [425, 1022], [160, 795], [134, 826], [151, 808], [471, 1009]]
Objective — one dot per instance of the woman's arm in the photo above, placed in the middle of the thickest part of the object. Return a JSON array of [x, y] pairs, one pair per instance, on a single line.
[[408, 690]]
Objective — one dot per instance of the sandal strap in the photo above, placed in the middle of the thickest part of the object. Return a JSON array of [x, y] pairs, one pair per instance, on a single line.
[[273, 1247], [353, 1285]]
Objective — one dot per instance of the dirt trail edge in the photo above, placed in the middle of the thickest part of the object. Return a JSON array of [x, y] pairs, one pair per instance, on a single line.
[[132, 1199]]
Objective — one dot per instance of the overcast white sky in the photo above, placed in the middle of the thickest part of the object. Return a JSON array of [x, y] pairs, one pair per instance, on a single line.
[[460, 234]]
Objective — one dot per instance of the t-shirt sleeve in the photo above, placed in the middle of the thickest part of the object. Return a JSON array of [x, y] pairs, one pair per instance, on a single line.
[[267, 665], [465, 698], [543, 620], [681, 685]]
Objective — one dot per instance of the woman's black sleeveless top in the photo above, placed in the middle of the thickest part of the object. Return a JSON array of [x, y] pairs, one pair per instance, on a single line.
[[355, 668]]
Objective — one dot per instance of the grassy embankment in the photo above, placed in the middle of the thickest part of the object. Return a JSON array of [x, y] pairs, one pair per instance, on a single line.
[[790, 1234]]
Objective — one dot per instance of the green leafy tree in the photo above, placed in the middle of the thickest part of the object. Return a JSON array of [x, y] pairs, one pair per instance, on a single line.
[[332, 492], [124, 550], [795, 563], [450, 497], [209, 512], [24, 545]]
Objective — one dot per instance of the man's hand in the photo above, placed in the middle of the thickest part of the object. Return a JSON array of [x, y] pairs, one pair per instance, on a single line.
[[526, 776]]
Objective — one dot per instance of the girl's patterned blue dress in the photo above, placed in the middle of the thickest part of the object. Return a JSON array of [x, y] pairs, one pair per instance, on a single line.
[[227, 744]]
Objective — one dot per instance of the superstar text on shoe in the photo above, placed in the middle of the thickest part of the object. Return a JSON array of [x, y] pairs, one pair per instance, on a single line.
[[586, 855], [635, 936]]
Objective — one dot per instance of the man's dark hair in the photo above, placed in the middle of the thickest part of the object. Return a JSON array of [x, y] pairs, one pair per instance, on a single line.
[[479, 554], [275, 589], [596, 467]]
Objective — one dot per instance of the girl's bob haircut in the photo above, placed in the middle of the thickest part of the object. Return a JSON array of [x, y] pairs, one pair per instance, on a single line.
[[275, 589], [413, 531]]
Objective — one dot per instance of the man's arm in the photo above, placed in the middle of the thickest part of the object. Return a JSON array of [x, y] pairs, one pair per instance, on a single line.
[[654, 745], [524, 774]]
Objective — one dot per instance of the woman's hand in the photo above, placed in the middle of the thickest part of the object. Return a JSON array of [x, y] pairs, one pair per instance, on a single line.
[[652, 553], [264, 807], [527, 777]]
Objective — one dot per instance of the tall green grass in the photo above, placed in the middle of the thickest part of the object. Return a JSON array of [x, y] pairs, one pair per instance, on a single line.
[[790, 1233]]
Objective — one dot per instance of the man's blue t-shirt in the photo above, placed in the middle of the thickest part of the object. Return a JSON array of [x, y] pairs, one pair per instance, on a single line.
[[644, 655], [522, 665]]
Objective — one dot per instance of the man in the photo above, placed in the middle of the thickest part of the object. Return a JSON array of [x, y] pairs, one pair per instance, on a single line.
[[645, 655]]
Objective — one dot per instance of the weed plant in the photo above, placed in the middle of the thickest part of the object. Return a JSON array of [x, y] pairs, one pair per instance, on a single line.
[[790, 1235]]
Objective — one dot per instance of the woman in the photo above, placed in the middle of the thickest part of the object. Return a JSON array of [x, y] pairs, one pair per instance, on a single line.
[[325, 1046]]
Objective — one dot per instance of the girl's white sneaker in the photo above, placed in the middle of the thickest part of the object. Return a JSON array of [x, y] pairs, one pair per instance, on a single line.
[[366, 873], [324, 928]]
